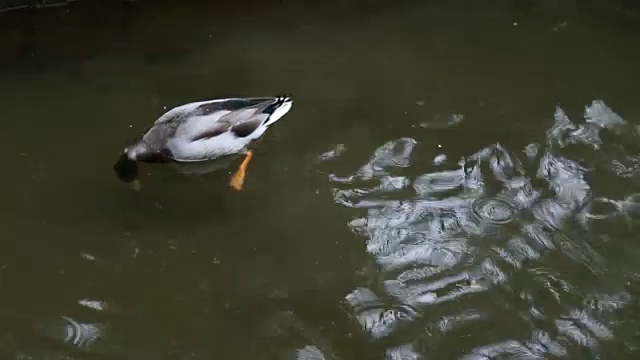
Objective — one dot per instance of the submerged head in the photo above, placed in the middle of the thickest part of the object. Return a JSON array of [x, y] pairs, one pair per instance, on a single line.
[[126, 169]]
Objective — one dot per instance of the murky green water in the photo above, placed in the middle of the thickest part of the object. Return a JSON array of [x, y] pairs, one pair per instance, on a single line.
[[454, 181]]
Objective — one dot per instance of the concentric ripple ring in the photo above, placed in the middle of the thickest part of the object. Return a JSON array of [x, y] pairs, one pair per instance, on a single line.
[[496, 211]]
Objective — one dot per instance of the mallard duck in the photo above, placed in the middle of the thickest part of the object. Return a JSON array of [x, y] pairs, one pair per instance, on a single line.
[[204, 130]]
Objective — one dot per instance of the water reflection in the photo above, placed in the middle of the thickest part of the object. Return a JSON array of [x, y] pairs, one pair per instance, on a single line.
[[72, 332], [502, 224]]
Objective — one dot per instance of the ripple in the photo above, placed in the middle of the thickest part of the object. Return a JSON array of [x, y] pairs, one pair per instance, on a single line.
[[435, 277], [94, 304], [82, 335], [631, 204], [72, 332], [392, 154], [430, 184], [496, 211], [602, 208], [540, 347], [374, 316], [403, 352], [309, 352], [441, 122], [599, 113], [338, 150]]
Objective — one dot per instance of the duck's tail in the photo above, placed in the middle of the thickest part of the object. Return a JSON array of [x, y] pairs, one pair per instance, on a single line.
[[280, 106]]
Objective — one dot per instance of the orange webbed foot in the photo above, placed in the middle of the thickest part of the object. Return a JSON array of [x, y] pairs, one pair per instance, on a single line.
[[237, 181]]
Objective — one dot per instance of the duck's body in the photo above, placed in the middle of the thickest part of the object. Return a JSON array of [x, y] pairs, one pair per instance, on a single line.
[[204, 130]]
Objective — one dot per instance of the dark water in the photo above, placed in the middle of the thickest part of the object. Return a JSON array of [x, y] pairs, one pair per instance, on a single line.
[[454, 181]]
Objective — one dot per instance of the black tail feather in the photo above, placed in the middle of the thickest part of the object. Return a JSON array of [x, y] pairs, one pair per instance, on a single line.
[[279, 100]]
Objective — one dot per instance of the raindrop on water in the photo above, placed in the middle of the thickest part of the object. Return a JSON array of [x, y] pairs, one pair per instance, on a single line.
[[493, 210]]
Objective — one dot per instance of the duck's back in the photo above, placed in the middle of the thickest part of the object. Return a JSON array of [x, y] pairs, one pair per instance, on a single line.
[[208, 129]]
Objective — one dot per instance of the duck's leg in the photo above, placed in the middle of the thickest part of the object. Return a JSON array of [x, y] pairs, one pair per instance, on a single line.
[[237, 181]]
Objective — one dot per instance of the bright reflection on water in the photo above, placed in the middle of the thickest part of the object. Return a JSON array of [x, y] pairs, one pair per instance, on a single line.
[[493, 238]]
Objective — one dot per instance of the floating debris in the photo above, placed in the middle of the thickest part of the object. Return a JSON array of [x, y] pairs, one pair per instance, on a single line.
[[333, 153], [440, 159], [440, 122]]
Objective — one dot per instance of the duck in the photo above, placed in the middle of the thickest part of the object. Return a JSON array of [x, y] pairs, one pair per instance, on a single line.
[[202, 131]]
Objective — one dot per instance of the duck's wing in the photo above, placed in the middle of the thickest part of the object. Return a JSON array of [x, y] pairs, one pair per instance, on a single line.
[[212, 109], [207, 108], [241, 117]]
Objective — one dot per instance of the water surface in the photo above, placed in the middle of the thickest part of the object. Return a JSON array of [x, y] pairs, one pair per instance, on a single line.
[[453, 182]]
